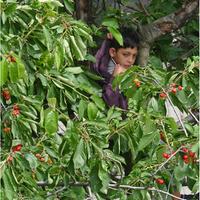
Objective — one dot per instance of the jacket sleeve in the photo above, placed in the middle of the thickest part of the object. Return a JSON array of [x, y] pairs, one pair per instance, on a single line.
[[110, 96]]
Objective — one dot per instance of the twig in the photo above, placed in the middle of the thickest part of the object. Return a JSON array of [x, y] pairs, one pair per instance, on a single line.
[[147, 14], [169, 184], [119, 190], [153, 174], [186, 134], [56, 191], [193, 116], [6, 110], [121, 169], [143, 188], [46, 183], [90, 193]]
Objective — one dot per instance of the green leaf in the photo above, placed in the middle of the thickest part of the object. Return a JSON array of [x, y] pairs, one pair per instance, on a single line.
[[79, 157], [74, 70], [51, 152], [152, 106], [51, 122], [195, 147], [66, 179], [9, 190], [182, 97], [95, 181], [195, 89], [195, 187], [173, 124], [69, 6], [4, 72], [17, 69], [52, 102], [92, 110], [31, 159], [147, 139], [116, 34], [82, 108], [156, 61], [98, 101], [98, 123], [77, 51], [86, 35], [57, 60], [149, 127], [90, 58], [71, 134], [179, 172], [112, 22], [48, 38]]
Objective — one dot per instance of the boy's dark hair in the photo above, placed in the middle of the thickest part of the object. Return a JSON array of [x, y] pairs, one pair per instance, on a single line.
[[131, 39]]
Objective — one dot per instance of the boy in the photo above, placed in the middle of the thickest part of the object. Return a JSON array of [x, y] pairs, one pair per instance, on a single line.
[[112, 59]]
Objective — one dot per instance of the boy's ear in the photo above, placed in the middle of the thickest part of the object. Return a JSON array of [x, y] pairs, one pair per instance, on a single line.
[[112, 52]]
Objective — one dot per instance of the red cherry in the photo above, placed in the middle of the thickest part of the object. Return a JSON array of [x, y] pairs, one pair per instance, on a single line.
[[191, 154], [8, 128], [165, 96], [12, 59], [174, 90], [158, 180], [15, 149], [15, 112], [180, 88], [10, 159], [173, 85], [165, 155], [168, 156], [187, 150], [138, 84], [7, 98], [18, 148], [5, 129], [6, 93], [195, 161], [185, 157], [162, 95], [187, 161], [20, 144], [37, 155], [16, 108], [161, 181], [42, 159], [173, 152]]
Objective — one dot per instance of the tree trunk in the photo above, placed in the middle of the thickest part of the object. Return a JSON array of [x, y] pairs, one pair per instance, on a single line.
[[151, 32]]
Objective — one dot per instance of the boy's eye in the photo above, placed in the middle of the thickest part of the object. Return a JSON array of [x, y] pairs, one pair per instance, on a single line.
[[125, 55]]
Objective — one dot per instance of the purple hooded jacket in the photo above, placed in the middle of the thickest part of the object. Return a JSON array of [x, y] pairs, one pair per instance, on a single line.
[[100, 68]]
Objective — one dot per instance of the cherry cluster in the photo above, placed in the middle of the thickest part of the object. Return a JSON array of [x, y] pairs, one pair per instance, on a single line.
[[15, 111], [163, 95], [6, 129], [6, 95], [15, 148], [185, 158], [38, 156]]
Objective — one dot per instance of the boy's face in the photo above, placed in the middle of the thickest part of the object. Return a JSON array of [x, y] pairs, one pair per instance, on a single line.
[[125, 56]]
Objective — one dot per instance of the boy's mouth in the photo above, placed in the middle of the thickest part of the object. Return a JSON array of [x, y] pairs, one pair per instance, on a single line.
[[127, 66]]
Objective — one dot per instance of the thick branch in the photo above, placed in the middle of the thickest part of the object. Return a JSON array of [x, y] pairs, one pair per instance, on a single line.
[[151, 32]]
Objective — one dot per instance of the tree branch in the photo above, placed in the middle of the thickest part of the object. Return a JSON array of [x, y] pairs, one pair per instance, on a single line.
[[157, 29], [147, 14], [143, 188]]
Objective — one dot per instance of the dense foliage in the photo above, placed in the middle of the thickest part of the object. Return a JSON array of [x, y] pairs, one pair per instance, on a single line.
[[43, 86]]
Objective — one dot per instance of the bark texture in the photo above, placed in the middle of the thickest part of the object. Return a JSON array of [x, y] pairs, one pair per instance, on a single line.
[[151, 32]]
